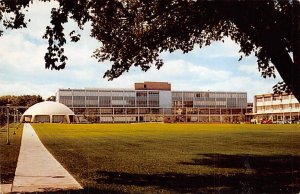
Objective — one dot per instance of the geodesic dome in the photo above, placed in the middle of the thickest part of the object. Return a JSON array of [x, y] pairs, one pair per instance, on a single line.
[[48, 112]]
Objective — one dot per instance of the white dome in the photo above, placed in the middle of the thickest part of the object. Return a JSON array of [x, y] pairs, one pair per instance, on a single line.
[[48, 108], [49, 112]]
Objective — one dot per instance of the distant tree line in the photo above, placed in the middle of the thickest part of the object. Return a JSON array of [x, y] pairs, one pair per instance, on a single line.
[[22, 101]]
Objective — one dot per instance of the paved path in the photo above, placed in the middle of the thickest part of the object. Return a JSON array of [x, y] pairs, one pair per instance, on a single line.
[[37, 170], [5, 188]]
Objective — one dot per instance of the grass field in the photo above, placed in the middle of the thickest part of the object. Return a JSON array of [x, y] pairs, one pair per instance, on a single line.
[[9, 153], [178, 158]]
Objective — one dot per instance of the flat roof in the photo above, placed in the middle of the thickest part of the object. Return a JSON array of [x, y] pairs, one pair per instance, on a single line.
[[271, 94], [132, 90]]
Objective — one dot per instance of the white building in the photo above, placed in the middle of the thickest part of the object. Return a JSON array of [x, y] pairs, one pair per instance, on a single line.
[[274, 108]]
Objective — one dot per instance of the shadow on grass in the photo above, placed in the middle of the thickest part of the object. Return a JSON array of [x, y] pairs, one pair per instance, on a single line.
[[90, 190], [254, 174], [268, 174]]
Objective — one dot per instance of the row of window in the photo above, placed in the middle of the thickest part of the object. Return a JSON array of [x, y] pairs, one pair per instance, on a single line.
[[230, 103], [208, 95], [109, 93], [278, 107], [80, 101], [175, 111], [151, 94], [274, 98]]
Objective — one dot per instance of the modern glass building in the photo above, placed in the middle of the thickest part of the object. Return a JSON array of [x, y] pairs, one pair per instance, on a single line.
[[272, 108], [154, 102]]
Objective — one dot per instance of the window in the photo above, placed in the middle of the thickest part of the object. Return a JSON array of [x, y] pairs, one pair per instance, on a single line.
[[92, 101], [285, 97], [204, 111], [91, 111], [143, 110], [215, 111], [231, 102], [260, 99], [130, 101], [79, 92], [199, 95], [177, 103], [286, 106], [91, 92], [153, 94], [176, 94], [104, 101], [131, 111], [259, 108], [79, 111], [268, 108], [188, 95], [188, 103], [105, 93], [66, 100], [119, 111], [106, 111], [141, 94], [154, 111], [117, 97], [141, 103], [79, 101], [268, 99], [153, 103], [191, 111], [117, 93]]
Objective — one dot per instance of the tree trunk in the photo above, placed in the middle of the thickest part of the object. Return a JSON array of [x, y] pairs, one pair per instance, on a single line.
[[288, 70], [296, 49]]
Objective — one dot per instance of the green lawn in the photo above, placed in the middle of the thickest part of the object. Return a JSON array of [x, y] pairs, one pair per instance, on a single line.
[[182, 158], [9, 153]]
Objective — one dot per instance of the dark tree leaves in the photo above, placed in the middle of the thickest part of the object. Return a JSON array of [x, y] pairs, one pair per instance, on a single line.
[[281, 88], [135, 32]]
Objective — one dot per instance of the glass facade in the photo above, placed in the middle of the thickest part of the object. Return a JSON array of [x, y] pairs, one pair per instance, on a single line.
[[103, 105], [210, 99]]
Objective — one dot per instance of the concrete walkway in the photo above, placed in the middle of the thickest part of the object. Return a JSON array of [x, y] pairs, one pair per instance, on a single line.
[[37, 170], [5, 188]]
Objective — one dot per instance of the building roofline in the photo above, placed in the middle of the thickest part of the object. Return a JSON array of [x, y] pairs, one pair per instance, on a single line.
[[206, 91], [133, 90], [271, 94]]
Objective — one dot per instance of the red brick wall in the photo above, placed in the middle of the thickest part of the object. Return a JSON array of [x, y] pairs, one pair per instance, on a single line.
[[152, 86]]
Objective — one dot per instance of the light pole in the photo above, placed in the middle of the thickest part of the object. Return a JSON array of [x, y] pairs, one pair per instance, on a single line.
[[7, 119], [18, 122], [14, 121], [17, 116], [14, 116]]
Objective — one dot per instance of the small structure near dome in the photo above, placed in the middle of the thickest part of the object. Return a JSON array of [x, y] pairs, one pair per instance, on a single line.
[[49, 112]]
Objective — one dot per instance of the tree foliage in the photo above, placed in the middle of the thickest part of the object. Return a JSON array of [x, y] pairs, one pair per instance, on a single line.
[[51, 98], [19, 101], [135, 32], [24, 100]]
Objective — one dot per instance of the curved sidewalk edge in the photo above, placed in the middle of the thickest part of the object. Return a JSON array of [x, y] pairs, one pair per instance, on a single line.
[[37, 170]]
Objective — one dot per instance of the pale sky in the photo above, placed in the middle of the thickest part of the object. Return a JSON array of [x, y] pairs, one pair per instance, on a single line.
[[215, 67]]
